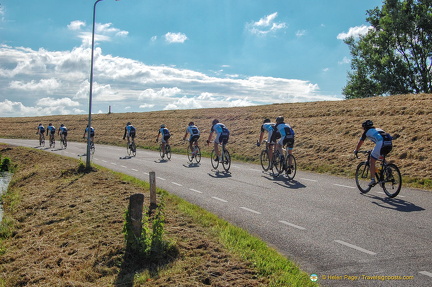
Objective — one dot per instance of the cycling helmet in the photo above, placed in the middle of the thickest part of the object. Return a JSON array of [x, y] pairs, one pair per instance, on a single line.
[[215, 121], [367, 124], [162, 126], [191, 123], [279, 119], [62, 125], [266, 121], [128, 123]]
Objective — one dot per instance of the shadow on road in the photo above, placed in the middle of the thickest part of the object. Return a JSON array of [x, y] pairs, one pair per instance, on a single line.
[[220, 174], [284, 182], [192, 165], [395, 204]]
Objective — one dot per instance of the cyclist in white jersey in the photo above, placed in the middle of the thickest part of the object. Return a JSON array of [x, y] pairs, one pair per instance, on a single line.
[[382, 146], [286, 137], [165, 137], [273, 135], [51, 131], [194, 135], [62, 132], [40, 130]]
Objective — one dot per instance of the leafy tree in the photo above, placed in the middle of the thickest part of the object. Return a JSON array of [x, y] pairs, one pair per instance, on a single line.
[[395, 56]]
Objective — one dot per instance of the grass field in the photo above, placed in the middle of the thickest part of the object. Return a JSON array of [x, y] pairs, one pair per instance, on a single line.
[[326, 132]]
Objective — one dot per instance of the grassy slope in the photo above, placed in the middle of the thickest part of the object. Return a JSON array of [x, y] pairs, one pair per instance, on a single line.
[[326, 132], [67, 231]]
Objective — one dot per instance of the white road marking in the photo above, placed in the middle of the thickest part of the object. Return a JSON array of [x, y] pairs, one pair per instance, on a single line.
[[113, 163], [250, 210], [146, 173], [134, 169], [341, 185], [220, 199], [104, 160], [123, 166], [253, 169], [175, 183], [309, 179], [195, 190], [355, 247], [292, 225], [426, 273], [160, 178]]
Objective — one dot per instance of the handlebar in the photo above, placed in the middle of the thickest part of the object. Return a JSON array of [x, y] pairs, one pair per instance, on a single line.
[[368, 152]]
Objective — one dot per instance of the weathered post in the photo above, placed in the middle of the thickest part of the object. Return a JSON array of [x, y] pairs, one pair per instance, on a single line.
[[153, 190], [136, 202]]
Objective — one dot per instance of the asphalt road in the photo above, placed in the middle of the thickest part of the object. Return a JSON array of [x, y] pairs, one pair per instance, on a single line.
[[321, 222]]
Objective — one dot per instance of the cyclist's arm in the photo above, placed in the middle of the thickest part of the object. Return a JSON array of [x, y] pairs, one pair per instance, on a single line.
[[210, 137], [124, 135]]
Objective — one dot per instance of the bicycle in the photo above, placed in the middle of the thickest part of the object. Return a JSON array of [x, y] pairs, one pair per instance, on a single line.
[[41, 140], [92, 147], [387, 175], [63, 142], [52, 141], [195, 154], [225, 159], [288, 166], [167, 151], [131, 148]]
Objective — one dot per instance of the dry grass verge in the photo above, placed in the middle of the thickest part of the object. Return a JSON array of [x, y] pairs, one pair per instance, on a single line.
[[67, 231]]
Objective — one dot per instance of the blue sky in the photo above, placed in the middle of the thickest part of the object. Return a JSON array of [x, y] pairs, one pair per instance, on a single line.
[[177, 54]]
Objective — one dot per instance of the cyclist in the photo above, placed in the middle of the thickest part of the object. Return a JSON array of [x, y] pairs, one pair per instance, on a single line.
[[165, 137], [383, 145], [92, 133], [273, 135], [286, 138], [51, 131], [129, 132], [40, 131], [194, 133], [222, 136], [62, 132]]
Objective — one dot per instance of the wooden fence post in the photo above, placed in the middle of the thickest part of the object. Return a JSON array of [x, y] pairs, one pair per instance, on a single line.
[[153, 203], [136, 202]]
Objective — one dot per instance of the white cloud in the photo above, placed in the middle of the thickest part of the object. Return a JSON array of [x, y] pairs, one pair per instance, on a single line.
[[47, 85], [265, 25], [300, 33], [76, 25], [175, 37], [354, 32], [344, 61]]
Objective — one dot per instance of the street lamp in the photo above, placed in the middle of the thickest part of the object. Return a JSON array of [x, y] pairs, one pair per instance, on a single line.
[[91, 88]]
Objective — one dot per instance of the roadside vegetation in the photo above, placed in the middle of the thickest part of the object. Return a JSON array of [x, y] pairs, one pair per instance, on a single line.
[[326, 132], [65, 226]]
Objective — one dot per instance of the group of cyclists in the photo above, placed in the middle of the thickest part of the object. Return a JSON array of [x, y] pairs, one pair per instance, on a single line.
[[279, 134]]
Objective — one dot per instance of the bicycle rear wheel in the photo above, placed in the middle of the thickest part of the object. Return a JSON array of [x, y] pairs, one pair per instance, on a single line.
[[133, 149], [277, 166], [92, 148], [291, 165], [362, 177], [168, 151], [214, 162], [128, 148], [392, 180], [197, 154], [226, 160], [265, 160], [189, 154]]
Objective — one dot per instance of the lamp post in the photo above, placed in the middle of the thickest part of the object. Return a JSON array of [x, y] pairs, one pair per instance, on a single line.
[[91, 88]]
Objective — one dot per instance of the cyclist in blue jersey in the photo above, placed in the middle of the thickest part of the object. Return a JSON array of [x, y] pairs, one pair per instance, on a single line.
[[165, 137], [40, 132], [129, 132], [222, 136], [286, 138], [273, 135], [62, 132], [51, 131], [383, 145], [194, 135], [92, 133]]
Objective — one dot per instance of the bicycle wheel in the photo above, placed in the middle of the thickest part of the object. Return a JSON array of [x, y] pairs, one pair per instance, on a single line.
[[128, 148], [226, 160], [362, 177], [168, 151], [214, 162], [291, 165], [92, 148], [189, 154], [65, 143], [42, 141], [133, 149], [265, 160], [197, 154], [277, 166], [392, 180], [161, 153]]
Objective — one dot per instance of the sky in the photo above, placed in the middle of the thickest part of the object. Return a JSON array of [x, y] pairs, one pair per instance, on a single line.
[[176, 54]]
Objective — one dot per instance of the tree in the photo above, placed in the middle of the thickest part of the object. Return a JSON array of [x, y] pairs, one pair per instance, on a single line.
[[395, 56]]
